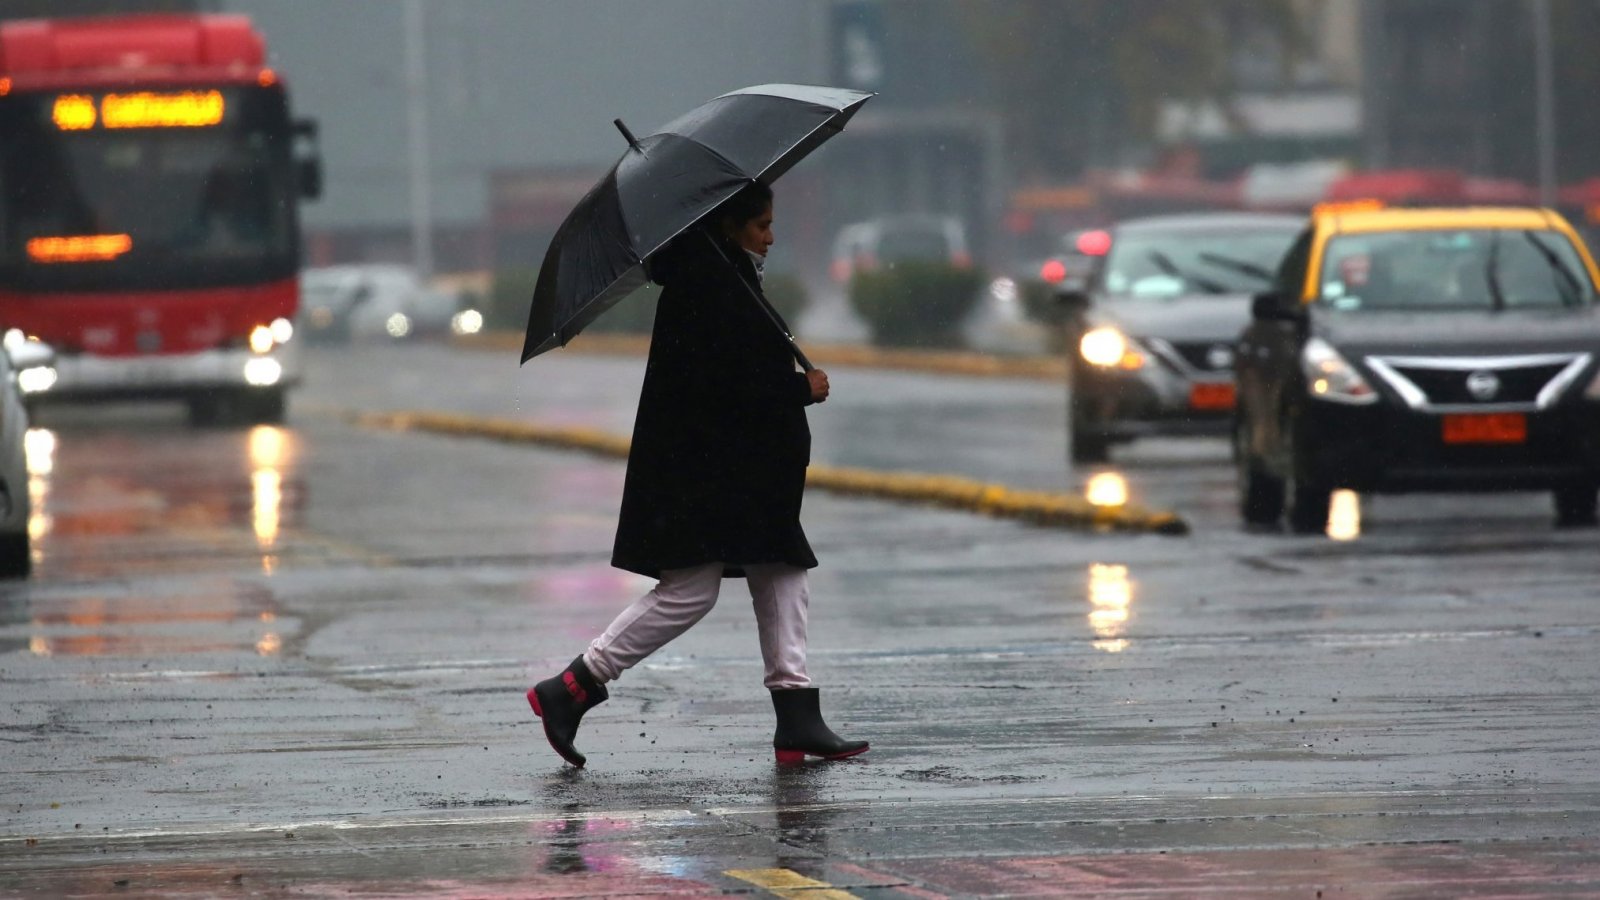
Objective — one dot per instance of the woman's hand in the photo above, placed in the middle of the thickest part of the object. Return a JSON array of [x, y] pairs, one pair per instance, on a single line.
[[819, 385]]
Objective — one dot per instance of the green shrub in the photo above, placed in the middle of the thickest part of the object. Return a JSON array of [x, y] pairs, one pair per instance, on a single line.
[[787, 294], [915, 304], [510, 298]]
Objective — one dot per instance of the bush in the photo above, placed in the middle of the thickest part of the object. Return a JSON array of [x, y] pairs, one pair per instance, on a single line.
[[510, 297], [787, 294], [916, 304]]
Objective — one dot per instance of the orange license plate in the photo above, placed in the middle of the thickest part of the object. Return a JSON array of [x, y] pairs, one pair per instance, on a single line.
[[1211, 396], [1486, 428]]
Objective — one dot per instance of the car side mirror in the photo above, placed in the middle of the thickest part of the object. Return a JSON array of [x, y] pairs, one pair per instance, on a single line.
[[1275, 306]]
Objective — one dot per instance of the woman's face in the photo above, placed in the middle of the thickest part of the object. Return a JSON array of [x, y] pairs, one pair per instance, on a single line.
[[756, 234]]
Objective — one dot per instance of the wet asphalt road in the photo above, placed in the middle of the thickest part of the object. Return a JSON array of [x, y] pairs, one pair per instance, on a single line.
[[292, 660]]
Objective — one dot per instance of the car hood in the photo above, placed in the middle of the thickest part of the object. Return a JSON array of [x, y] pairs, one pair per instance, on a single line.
[[1554, 331], [1206, 317]]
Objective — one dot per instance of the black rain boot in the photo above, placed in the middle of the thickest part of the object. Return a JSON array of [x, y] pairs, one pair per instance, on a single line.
[[801, 731], [560, 703]]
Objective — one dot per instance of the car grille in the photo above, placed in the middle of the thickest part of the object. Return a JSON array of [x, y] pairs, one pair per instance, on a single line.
[[1523, 382], [1197, 358]]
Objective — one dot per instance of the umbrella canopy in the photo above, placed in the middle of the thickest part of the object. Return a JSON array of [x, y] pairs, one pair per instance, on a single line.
[[664, 184]]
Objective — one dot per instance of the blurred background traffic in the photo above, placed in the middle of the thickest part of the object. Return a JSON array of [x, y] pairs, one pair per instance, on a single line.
[[192, 199], [455, 136]]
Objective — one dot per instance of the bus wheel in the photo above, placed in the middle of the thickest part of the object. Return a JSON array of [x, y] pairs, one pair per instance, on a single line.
[[266, 407], [205, 410]]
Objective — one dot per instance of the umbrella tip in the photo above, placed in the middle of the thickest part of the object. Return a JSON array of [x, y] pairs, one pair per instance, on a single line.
[[632, 141]]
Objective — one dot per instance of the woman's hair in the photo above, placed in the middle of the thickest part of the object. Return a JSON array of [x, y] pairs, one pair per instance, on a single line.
[[751, 201]]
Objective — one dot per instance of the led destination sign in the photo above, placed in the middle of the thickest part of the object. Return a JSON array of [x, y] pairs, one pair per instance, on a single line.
[[143, 109]]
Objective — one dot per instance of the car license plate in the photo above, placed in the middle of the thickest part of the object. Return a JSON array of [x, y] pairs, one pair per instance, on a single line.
[[1486, 428], [1211, 396]]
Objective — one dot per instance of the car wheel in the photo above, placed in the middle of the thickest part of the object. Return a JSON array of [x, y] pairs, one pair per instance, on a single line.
[[1088, 448], [16, 557], [1306, 496], [1260, 493], [1576, 506]]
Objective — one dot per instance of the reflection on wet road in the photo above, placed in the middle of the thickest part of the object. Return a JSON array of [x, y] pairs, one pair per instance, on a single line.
[[238, 635]]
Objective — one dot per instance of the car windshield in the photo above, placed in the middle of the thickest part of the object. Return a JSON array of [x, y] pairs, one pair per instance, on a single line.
[[1162, 265], [1465, 269], [910, 243]]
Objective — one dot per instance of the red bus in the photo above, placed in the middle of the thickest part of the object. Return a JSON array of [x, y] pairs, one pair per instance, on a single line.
[[150, 175]]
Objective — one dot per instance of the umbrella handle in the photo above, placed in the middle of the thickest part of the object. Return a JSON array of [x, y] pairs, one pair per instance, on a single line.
[[772, 314]]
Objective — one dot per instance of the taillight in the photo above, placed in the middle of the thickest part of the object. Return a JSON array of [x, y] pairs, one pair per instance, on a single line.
[[1094, 243], [1053, 271]]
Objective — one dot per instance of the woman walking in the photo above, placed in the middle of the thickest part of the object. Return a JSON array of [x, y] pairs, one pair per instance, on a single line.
[[715, 478]]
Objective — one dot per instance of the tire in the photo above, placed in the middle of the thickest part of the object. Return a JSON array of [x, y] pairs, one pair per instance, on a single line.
[[205, 411], [1260, 493], [1088, 448], [1576, 506], [1306, 495], [16, 557], [265, 408]]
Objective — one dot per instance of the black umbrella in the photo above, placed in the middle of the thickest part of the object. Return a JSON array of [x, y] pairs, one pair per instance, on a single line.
[[664, 184]]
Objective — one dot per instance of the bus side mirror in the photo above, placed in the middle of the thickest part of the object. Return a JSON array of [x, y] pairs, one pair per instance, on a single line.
[[308, 174], [308, 164]]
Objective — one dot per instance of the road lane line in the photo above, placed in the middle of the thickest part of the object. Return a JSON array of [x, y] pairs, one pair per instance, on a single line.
[[790, 884], [948, 491]]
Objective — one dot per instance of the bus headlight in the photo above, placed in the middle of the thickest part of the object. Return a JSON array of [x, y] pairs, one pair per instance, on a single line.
[[36, 380], [1108, 348], [282, 330], [261, 339], [263, 371]]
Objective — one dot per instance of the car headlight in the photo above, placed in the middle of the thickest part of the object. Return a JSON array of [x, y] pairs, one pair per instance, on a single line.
[[1108, 348], [468, 321], [398, 325], [1330, 376]]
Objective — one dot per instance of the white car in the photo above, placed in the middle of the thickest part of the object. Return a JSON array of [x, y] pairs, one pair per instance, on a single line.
[[21, 359], [370, 302]]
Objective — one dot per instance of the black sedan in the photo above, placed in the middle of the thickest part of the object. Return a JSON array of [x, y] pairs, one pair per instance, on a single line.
[[1412, 350]]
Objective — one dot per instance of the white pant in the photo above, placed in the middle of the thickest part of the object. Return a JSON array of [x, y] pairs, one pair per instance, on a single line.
[[683, 596]]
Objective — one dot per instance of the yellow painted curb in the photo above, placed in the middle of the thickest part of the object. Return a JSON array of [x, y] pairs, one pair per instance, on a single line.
[[942, 362], [948, 491]]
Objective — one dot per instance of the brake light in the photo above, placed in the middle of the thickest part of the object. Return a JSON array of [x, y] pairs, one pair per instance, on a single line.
[[1094, 243], [1053, 271]]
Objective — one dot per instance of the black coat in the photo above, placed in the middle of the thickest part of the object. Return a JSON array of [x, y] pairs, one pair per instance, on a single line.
[[720, 443]]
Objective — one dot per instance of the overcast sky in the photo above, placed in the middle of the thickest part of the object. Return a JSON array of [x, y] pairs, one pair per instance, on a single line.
[[514, 83]]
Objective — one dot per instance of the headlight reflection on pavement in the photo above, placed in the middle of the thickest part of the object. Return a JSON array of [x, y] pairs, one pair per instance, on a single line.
[[269, 448], [39, 447], [1344, 516], [1111, 602]]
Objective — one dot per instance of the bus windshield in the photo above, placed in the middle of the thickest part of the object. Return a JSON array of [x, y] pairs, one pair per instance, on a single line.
[[1458, 269], [163, 203]]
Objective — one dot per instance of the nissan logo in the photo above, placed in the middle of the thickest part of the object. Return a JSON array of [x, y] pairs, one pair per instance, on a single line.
[[1483, 385], [1220, 356]]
